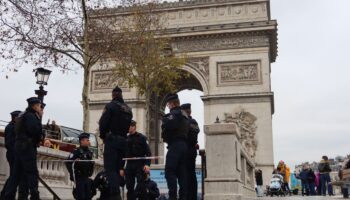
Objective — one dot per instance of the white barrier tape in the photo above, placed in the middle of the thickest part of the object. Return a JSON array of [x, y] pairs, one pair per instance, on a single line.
[[144, 158], [133, 158]]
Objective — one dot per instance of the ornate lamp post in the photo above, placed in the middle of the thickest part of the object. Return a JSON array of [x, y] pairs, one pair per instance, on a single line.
[[42, 76]]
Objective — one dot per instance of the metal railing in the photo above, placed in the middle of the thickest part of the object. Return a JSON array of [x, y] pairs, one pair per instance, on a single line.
[[55, 196]]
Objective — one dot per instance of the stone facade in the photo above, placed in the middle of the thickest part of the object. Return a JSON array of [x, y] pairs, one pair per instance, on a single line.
[[231, 45]]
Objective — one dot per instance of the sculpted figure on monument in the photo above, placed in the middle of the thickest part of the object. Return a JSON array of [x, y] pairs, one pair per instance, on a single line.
[[247, 129]]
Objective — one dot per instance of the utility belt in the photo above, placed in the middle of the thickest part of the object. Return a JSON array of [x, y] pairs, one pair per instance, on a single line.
[[174, 140], [115, 135]]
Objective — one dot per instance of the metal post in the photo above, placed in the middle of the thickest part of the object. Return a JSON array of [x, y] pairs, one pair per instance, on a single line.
[[41, 93]]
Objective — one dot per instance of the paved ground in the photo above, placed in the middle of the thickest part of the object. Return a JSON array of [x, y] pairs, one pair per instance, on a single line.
[[300, 198]]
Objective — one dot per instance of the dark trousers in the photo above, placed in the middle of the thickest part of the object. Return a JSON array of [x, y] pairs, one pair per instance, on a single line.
[[22, 188], [175, 169], [134, 170], [25, 168], [83, 188], [305, 188], [312, 188], [114, 152], [325, 179], [191, 172]]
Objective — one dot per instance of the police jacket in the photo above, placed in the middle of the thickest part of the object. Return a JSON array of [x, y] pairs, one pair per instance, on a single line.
[[10, 136], [116, 118], [192, 139], [28, 127], [152, 190], [175, 126], [81, 169], [137, 146]]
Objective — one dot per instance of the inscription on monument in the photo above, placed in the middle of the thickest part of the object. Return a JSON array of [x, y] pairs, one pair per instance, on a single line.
[[103, 81], [232, 73]]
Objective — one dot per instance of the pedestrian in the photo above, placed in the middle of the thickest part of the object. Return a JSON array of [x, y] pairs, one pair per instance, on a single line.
[[10, 138], [284, 170], [114, 125], [324, 169], [311, 181], [137, 146], [303, 176], [81, 169], [151, 191], [29, 133], [192, 146], [175, 129], [259, 183]]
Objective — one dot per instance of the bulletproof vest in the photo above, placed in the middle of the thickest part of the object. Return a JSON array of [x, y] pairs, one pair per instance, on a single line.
[[192, 138], [124, 117], [135, 145], [84, 168], [176, 126]]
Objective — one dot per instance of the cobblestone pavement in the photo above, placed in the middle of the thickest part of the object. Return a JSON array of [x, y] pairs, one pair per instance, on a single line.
[[300, 198]]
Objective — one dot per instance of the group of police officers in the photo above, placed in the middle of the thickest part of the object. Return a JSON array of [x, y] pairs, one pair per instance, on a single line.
[[121, 142]]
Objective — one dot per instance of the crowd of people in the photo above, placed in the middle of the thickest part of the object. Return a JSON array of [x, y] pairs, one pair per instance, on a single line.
[[313, 183], [126, 155]]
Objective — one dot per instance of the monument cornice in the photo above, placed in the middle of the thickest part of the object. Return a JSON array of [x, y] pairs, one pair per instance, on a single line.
[[171, 6]]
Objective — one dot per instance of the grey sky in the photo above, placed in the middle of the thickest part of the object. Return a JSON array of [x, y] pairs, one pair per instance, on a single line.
[[309, 78]]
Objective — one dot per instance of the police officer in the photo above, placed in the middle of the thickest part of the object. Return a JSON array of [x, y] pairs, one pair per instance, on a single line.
[[10, 138], [28, 136], [114, 125], [175, 128], [192, 145], [151, 192], [137, 146], [82, 169], [100, 182]]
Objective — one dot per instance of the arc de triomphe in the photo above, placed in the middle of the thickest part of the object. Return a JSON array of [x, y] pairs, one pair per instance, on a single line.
[[231, 45]]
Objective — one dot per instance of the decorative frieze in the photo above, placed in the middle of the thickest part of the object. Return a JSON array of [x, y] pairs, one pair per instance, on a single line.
[[236, 73], [219, 43], [105, 81], [200, 64]]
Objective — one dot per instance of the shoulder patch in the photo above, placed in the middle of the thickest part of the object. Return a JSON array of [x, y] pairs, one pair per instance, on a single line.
[[71, 155], [170, 117]]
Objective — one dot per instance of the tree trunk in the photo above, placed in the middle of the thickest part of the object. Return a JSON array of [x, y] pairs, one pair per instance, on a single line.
[[148, 113], [86, 114]]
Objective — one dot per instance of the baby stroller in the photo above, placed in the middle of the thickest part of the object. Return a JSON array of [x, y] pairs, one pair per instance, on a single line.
[[276, 185]]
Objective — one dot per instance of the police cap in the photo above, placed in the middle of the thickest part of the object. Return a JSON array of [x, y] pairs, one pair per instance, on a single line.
[[186, 106], [84, 135], [117, 89], [133, 123], [172, 97], [15, 113], [33, 100]]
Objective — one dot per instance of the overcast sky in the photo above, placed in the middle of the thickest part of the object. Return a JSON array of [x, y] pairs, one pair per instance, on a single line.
[[310, 79]]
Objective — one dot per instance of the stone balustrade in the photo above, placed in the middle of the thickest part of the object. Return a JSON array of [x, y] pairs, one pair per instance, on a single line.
[[51, 170]]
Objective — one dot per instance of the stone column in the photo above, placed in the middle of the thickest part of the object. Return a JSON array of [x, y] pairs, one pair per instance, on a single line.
[[225, 169]]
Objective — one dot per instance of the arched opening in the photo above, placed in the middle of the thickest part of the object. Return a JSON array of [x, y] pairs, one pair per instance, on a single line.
[[190, 88]]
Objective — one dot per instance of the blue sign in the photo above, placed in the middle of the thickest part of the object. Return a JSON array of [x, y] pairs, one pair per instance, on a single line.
[[158, 176]]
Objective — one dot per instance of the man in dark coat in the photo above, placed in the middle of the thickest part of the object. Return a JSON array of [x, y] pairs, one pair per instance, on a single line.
[[81, 170], [151, 189], [137, 146], [325, 178], [10, 138], [175, 129], [192, 145], [114, 126], [259, 182], [28, 136]]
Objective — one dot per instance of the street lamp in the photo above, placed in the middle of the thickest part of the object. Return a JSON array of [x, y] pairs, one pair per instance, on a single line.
[[42, 76]]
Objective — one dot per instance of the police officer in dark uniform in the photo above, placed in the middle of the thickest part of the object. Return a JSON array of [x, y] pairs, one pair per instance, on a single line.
[[82, 169], [114, 126], [100, 182], [28, 136], [152, 190], [175, 129], [137, 146], [192, 145], [10, 138]]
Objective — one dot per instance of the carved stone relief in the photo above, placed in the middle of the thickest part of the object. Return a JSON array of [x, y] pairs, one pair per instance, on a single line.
[[220, 43], [201, 64], [103, 81], [245, 122], [233, 73]]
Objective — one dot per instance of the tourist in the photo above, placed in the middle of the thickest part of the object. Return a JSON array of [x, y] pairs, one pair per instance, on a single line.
[[284, 170], [259, 183], [325, 178]]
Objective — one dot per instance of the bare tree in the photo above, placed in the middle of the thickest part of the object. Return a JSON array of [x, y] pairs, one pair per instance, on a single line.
[[144, 58], [55, 33]]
